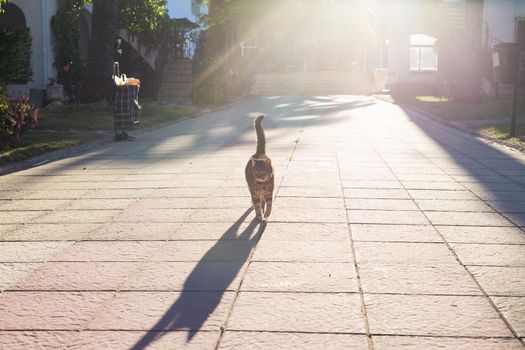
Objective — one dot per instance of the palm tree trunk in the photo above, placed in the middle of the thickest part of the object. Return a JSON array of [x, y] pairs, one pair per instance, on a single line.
[[96, 81]]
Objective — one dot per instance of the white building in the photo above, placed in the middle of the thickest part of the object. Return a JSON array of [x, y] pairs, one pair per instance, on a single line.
[[35, 15], [503, 20]]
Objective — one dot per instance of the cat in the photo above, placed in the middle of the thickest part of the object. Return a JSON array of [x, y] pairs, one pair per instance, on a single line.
[[259, 175]]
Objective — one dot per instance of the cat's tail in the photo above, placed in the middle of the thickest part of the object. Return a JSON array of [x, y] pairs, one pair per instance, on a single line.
[[261, 139]]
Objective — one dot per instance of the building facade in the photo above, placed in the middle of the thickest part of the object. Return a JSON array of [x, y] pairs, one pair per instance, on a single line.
[[35, 15]]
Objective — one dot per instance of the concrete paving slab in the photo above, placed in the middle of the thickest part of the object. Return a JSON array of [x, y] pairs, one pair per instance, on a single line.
[[435, 343], [92, 340], [441, 279], [380, 204], [490, 254], [367, 193], [227, 250], [124, 231], [305, 232], [394, 233], [386, 217], [517, 218], [280, 203], [49, 310], [442, 194], [186, 276], [12, 272], [295, 341], [300, 277], [183, 265], [98, 204], [297, 312], [467, 219], [77, 216], [20, 340], [432, 185], [30, 251], [301, 191], [403, 253], [481, 234], [213, 231], [108, 251], [77, 276], [508, 206], [453, 205], [433, 316], [20, 217], [513, 309], [51, 232], [5, 229], [163, 311], [36, 204], [316, 251], [309, 215], [371, 184], [153, 215], [500, 281]]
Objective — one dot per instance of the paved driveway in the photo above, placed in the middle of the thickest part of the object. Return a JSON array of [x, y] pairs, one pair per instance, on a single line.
[[388, 232]]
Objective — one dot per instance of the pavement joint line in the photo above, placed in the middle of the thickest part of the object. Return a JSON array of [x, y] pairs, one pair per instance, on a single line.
[[455, 149], [354, 260], [484, 293], [148, 259], [426, 242], [376, 334], [229, 261], [224, 325], [158, 291], [441, 336], [475, 265], [134, 273]]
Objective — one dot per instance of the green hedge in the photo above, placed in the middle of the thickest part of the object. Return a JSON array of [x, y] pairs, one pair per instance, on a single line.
[[15, 55]]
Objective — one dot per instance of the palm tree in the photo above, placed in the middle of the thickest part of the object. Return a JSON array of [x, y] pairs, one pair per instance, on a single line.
[[96, 81]]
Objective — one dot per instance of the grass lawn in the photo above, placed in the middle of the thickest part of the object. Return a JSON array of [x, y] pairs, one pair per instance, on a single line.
[[502, 133], [489, 117], [71, 125]]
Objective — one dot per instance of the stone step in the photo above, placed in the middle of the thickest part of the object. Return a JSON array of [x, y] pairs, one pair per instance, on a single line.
[[329, 82]]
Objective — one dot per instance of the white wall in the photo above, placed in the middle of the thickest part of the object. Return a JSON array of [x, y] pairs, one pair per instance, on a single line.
[[38, 16], [500, 16], [404, 20]]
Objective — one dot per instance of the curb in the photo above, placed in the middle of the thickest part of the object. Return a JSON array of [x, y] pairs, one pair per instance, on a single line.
[[53, 156]]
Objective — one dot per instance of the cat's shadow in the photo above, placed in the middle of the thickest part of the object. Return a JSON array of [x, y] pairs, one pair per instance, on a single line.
[[206, 284]]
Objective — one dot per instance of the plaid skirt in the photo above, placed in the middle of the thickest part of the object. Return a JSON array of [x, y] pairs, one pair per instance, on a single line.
[[126, 106]]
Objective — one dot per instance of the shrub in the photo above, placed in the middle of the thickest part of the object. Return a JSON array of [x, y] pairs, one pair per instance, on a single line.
[[15, 55], [16, 117]]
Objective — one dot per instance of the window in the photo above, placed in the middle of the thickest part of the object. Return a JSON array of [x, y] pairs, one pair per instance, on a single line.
[[423, 53]]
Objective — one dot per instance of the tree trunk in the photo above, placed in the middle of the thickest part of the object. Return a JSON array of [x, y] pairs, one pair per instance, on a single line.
[[96, 80], [216, 31]]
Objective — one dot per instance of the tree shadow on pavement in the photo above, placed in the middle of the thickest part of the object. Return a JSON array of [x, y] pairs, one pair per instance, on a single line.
[[194, 306], [210, 132]]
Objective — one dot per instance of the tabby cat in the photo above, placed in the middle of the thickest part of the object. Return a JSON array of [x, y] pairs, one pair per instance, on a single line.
[[259, 175]]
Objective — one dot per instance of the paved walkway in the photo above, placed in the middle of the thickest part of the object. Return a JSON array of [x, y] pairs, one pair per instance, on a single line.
[[388, 232]]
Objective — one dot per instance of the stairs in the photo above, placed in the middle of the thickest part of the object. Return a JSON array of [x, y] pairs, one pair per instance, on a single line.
[[313, 83], [176, 84]]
